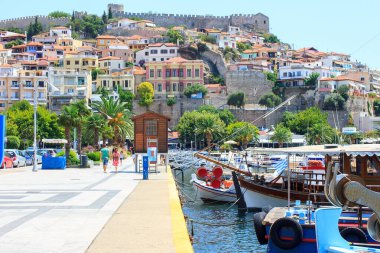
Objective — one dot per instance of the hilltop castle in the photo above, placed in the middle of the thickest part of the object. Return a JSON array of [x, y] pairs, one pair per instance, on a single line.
[[257, 22]]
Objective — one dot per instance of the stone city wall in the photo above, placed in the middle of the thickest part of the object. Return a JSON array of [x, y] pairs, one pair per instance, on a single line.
[[24, 22]]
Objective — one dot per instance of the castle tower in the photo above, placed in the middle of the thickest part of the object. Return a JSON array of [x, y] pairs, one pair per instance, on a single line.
[[117, 10]]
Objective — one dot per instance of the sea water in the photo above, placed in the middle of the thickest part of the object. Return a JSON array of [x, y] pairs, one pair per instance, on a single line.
[[238, 234]]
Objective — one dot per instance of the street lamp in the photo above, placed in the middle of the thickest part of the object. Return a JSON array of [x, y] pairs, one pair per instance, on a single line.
[[195, 135], [35, 129]]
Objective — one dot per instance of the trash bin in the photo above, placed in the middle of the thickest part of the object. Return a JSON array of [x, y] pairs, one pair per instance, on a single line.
[[83, 161]]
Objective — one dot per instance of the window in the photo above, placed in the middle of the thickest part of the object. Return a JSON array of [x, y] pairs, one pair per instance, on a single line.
[[126, 83], [174, 87], [41, 84], [168, 73], [189, 72], [151, 127], [298, 73], [265, 22], [41, 95], [153, 51], [164, 51], [172, 51], [154, 59], [162, 59], [67, 62], [180, 72], [167, 87], [151, 73], [159, 87], [285, 74], [159, 73], [181, 87], [104, 83], [70, 91], [174, 73], [28, 84], [2, 105], [362, 79], [76, 62], [14, 84], [80, 80], [196, 72], [188, 84]]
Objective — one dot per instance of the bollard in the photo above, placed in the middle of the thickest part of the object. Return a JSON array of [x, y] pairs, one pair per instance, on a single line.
[[145, 167]]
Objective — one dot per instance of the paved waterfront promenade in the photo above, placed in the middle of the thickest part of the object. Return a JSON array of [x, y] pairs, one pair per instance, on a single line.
[[85, 210]]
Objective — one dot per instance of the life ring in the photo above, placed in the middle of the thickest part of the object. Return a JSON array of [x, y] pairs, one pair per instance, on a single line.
[[260, 228], [275, 233], [352, 234]]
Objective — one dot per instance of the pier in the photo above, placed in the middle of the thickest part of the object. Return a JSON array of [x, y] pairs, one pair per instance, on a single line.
[[86, 210]]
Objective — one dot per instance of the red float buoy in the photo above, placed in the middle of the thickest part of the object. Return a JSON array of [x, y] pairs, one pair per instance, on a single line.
[[217, 171], [202, 172], [216, 183]]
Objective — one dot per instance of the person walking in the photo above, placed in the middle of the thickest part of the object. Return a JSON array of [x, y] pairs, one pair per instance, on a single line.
[[115, 158], [104, 157], [121, 158]]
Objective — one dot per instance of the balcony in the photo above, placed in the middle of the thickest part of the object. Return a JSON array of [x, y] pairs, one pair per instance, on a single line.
[[15, 86]]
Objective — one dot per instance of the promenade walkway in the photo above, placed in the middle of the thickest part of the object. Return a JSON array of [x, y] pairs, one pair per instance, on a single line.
[[85, 210]]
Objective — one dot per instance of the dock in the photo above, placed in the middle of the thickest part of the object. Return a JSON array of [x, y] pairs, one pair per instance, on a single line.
[[86, 210]]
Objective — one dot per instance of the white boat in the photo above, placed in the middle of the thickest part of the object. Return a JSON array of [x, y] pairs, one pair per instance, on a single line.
[[209, 193]]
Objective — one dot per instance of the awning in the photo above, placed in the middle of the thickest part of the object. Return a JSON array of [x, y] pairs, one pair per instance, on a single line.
[[356, 149], [54, 141]]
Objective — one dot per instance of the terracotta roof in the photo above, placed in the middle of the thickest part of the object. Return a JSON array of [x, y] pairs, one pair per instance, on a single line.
[[139, 72], [176, 59], [340, 78], [5, 66], [20, 46], [34, 44], [152, 113], [135, 37], [109, 58], [59, 28], [162, 44], [105, 37]]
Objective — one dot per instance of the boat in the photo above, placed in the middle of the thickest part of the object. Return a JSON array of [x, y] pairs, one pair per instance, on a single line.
[[208, 193], [294, 229]]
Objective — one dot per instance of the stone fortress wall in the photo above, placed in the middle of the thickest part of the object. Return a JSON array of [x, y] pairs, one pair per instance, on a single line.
[[257, 22], [24, 22]]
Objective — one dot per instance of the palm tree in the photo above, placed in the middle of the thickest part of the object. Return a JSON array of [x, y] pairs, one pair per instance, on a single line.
[[118, 115], [210, 126], [83, 113], [68, 119], [281, 134], [96, 123]]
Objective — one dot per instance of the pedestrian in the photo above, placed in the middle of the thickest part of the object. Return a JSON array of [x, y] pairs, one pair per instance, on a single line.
[[121, 158], [104, 157], [132, 149], [115, 158]]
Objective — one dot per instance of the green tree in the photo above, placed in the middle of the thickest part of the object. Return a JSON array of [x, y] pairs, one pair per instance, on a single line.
[[208, 38], [175, 36], [321, 133], [271, 38], [34, 28], [83, 113], [312, 79], [118, 118], [281, 135], [242, 132], [146, 94], [195, 89], [59, 14], [226, 116], [126, 96], [243, 46], [271, 76], [236, 99], [110, 16], [210, 126], [95, 123], [13, 142], [334, 101], [14, 43], [231, 54], [95, 73], [270, 100], [90, 26], [343, 91], [68, 118], [105, 17]]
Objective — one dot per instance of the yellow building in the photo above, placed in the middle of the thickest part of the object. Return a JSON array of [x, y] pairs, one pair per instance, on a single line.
[[17, 84], [104, 41], [68, 85], [124, 79], [171, 77], [80, 61]]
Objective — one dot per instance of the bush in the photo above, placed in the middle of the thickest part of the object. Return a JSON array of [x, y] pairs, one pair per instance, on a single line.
[[236, 99], [194, 89], [73, 159], [171, 101], [13, 142], [94, 156], [270, 100], [334, 102]]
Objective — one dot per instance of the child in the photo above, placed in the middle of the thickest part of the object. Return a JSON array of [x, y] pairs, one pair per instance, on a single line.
[[116, 158], [121, 158]]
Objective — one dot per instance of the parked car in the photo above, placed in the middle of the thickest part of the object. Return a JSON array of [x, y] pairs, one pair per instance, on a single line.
[[44, 151], [28, 157], [31, 153], [7, 162], [18, 159]]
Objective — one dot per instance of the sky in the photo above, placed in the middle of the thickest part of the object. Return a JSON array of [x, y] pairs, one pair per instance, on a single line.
[[345, 26]]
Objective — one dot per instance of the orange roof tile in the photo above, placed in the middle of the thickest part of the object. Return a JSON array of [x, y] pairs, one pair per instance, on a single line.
[[109, 58], [105, 37], [35, 44], [60, 28], [162, 44]]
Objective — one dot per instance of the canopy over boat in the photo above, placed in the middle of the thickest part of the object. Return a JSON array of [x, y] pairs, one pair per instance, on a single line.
[[332, 149]]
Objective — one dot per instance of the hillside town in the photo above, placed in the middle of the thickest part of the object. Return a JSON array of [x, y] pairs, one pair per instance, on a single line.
[[211, 63]]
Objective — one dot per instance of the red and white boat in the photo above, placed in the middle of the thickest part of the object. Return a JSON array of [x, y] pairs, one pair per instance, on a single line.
[[211, 187]]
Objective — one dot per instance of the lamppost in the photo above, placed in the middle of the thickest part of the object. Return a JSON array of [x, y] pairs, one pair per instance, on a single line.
[[35, 130], [195, 135]]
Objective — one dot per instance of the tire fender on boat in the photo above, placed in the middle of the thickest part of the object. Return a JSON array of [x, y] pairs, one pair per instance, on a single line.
[[352, 234], [288, 223], [259, 227]]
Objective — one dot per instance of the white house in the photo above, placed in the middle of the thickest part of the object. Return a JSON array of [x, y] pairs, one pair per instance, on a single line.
[[60, 32], [111, 63], [227, 40], [158, 52], [233, 30]]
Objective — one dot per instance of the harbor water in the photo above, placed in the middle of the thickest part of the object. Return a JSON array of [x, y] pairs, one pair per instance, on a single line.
[[217, 227]]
